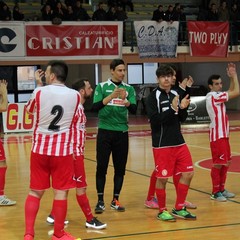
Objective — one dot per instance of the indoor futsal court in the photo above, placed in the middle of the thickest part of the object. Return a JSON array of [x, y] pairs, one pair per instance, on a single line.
[[215, 220]]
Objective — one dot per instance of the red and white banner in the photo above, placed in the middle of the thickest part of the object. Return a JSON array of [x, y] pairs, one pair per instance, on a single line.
[[16, 119], [70, 40], [208, 39]]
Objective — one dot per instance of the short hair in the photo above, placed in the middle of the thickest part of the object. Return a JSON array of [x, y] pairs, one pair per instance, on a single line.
[[213, 77], [173, 67], [164, 70], [60, 69], [79, 84], [115, 63]]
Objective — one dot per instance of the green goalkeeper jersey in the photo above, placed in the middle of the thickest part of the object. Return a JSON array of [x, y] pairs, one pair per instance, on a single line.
[[113, 116]]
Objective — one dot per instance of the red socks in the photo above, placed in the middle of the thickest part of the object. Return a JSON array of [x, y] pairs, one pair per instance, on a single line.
[[60, 212], [152, 186], [161, 197], [215, 175], [31, 209], [2, 179], [182, 191], [85, 206]]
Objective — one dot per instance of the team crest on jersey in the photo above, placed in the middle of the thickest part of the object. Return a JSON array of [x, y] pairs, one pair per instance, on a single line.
[[164, 172], [96, 92]]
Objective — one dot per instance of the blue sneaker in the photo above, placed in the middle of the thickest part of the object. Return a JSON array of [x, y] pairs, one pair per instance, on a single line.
[[228, 194], [218, 197]]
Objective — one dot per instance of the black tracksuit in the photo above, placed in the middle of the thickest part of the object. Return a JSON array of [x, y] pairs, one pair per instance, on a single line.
[[165, 123]]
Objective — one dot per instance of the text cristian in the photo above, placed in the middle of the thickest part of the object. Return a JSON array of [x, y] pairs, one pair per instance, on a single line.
[[72, 42]]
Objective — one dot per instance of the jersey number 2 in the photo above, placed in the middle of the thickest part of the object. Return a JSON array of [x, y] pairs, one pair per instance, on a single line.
[[58, 111]]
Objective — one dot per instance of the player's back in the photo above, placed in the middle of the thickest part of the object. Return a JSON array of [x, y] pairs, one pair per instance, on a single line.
[[55, 107]]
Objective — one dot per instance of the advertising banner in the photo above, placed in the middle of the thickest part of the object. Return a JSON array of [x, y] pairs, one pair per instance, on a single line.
[[81, 41], [12, 39], [69, 40], [208, 39], [16, 119], [197, 112]]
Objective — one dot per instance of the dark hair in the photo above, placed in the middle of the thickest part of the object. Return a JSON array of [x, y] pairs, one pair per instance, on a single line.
[[79, 84], [60, 69], [115, 63], [164, 70], [173, 66], [213, 77]]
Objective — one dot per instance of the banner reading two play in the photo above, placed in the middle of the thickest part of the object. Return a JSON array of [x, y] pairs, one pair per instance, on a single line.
[[208, 39]]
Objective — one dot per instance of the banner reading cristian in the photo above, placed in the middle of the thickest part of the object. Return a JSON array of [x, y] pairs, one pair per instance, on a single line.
[[157, 39], [78, 41], [208, 39]]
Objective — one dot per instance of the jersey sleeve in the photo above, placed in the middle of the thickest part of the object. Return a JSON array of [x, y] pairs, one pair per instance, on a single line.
[[220, 97], [132, 95], [98, 94], [30, 105]]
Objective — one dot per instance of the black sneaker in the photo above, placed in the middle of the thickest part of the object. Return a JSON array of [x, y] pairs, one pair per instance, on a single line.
[[95, 224], [183, 213], [115, 204], [100, 207]]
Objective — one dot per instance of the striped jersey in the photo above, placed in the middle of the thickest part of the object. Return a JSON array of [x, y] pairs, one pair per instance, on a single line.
[[79, 131], [219, 125], [55, 107]]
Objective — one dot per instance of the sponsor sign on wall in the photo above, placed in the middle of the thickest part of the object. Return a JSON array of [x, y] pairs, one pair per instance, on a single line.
[[70, 40], [16, 119], [197, 112], [12, 39]]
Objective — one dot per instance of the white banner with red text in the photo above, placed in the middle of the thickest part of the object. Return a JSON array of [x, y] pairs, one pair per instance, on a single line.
[[70, 40], [208, 39], [157, 39], [16, 119]]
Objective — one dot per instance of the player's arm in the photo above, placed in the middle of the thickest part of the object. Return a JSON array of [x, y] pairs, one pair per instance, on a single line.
[[130, 101], [99, 101], [233, 90], [3, 96], [39, 74]]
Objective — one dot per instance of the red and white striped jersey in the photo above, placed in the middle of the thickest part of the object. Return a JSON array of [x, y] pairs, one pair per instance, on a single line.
[[219, 126], [55, 107], [79, 131]]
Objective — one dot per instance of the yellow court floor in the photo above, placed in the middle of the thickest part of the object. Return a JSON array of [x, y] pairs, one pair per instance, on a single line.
[[215, 220]]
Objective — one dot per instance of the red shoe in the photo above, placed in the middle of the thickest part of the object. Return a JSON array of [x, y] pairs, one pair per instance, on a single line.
[[190, 205], [66, 236], [28, 237]]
